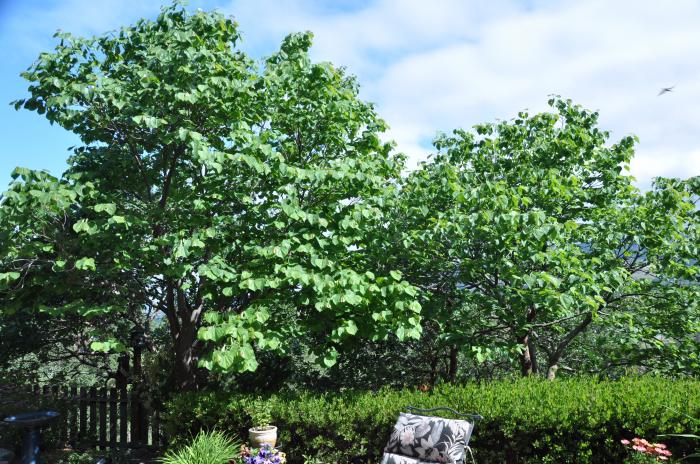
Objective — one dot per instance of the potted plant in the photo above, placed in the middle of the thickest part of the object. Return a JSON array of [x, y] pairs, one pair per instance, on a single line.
[[262, 432]]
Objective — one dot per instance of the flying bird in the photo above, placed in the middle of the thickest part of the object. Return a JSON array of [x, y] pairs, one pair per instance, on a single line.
[[665, 89]]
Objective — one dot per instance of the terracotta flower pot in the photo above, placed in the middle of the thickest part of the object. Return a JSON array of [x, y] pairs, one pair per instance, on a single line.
[[260, 436]]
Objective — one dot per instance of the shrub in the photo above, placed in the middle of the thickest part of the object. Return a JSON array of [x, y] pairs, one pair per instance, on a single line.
[[208, 447], [260, 413], [77, 458], [526, 421]]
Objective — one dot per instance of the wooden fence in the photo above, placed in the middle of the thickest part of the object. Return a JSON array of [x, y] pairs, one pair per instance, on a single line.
[[102, 417]]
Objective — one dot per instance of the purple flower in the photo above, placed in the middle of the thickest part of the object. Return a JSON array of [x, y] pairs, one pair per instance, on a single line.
[[263, 455]]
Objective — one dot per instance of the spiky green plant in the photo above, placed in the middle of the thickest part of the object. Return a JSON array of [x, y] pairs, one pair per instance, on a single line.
[[213, 447]]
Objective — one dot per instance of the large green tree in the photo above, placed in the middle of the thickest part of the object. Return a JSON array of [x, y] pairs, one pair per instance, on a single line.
[[527, 233], [209, 189]]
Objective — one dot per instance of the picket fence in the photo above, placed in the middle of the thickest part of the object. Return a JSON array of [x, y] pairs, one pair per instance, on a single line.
[[102, 418]]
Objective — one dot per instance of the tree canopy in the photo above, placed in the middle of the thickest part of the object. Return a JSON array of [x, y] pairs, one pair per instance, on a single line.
[[251, 209], [527, 233], [207, 189]]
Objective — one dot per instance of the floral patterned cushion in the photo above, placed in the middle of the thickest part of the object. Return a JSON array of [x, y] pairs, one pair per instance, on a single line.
[[431, 439], [391, 458]]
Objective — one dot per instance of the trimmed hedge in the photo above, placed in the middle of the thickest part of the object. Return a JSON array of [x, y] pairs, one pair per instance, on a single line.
[[526, 420]]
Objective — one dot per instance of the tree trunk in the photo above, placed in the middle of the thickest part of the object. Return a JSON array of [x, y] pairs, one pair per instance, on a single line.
[[434, 370], [452, 372], [121, 377], [185, 367], [183, 329], [533, 355], [526, 360], [556, 355]]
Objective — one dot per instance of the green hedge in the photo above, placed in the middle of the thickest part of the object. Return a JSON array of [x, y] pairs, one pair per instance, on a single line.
[[526, 421]]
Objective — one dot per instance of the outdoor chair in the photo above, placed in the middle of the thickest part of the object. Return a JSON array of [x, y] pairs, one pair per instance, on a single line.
[[422, 438]]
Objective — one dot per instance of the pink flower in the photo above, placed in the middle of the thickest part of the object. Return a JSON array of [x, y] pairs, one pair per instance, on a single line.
[[650, 449]]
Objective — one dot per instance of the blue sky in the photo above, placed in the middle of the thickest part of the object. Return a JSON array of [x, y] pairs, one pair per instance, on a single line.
[[429, 66]]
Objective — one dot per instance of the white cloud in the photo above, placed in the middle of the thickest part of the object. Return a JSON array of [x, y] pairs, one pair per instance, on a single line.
[[662, 164], [438, 65], [443, 64]]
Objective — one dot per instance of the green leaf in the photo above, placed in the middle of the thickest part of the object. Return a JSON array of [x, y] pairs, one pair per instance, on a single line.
[[8, 277], [330, 358], [351, 327], [108, 346], [83, 226], [85, 264], [401, 333], [109, 208]]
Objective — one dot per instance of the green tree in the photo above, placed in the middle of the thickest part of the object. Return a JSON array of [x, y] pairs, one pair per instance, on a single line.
[[207, 189], [526, 233]]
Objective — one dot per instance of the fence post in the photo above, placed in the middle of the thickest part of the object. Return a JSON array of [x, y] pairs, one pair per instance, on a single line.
[[155, 435], [103, 418], [123, 416], [83, 404], [113, 417], [73, 420], [58, 394], [135, 435], [144, 421], [93, 414]]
